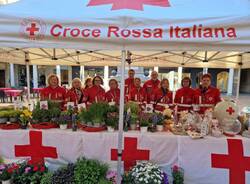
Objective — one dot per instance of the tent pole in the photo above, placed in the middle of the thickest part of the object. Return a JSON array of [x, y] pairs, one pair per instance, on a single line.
[[238, 81], [28, 77], [121, 117]]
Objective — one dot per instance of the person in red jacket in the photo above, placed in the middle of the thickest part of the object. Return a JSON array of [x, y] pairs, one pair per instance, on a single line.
[[137, 94], [184, 97], [76, 94], [88, 83], [151, 85], [113, 95], [96, 93], [53, 92], [206, 96], [129, 82], [163, 97]]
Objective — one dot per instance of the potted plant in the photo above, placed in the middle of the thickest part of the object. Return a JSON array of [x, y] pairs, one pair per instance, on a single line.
[[90, 171], [64, 120], [55, 114], [98, 113], [3, 116], [144, 122], [5, 174], [14, 115], [64, 174], [112, 118], [133, 121], [40, 116], [24, 118], [159, 126], [84, 117]]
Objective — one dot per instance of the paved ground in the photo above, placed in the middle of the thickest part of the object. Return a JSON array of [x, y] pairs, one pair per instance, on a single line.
[[244, 100]]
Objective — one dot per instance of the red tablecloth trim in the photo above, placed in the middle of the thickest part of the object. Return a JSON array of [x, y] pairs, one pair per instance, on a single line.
[[92, 129], [44, 125], [11, 126]]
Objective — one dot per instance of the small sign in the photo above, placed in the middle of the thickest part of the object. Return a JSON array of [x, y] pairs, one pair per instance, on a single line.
[[70, 105], [149, 108], [81, 106], [44, 105]]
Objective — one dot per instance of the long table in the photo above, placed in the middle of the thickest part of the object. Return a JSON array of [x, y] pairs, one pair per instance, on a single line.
[[205, 161]]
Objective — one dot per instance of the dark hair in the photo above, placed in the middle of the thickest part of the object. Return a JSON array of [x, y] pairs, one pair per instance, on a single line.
[[131, 70], [93, 81], [137, 78], [186, 78], [207, 75]]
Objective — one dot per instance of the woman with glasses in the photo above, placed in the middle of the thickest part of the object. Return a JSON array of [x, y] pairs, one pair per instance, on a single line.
[[96, 93]]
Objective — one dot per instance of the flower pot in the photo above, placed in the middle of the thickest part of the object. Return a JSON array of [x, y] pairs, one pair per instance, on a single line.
[[63, 126], [6, 181], [144, 129], [110, 129], [13, 120], [159, 128], [133, 126], [97, 124], [3, 120]]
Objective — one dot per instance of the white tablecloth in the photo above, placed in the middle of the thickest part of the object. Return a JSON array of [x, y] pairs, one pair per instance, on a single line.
[[194, 156]]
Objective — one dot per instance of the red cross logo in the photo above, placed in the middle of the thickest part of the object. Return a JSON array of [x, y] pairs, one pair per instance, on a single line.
[[127, 4], [35, 149], [130, 153], [230, 110], [235, 161], [32, 29]]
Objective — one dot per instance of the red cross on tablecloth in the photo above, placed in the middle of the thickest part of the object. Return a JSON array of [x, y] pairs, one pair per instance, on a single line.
[[230, 110], [32, 29], [130, 153], [235, 161], [127, 4], [35, 149]]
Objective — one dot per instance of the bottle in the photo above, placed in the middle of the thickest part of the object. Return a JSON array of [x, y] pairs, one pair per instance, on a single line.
[[74, 125]]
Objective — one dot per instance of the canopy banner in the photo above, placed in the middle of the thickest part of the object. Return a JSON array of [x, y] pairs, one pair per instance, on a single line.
[[123, 24]]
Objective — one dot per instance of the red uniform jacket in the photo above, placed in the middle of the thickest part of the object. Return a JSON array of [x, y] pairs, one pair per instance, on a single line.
[[184, 98], [139, 96], [161, 100], [49, 93], [150, 86], [113, 95], [206, 98], [95, 94], [129, 84], [72, 96]]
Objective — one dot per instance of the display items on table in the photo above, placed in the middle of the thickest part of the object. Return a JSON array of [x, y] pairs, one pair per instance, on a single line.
[[145, 121], [64, 120], [45, 117], [157, 120], [168, 119], [9, 118], [112, 118], [134, 121], [6, 172], [25, 118]]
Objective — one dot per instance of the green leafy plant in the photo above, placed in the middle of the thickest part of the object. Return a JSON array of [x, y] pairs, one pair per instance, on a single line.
[[54, 114], [84, 116], [89, 171], [98, 112], [64, 175], [46, 178], [134, 118], [112, 116], [14, 113], [134, 107], [4, 114], [40, 115], [6, 171], [145, 119]]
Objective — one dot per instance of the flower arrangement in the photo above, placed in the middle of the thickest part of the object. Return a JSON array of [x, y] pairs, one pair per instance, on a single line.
[[167, 113], [178, 175], [64, 174], [112, 116], [6, 171], [27, 173], [25, 117], [64, 118], [145, 119], [111, 176], [146, 172]]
